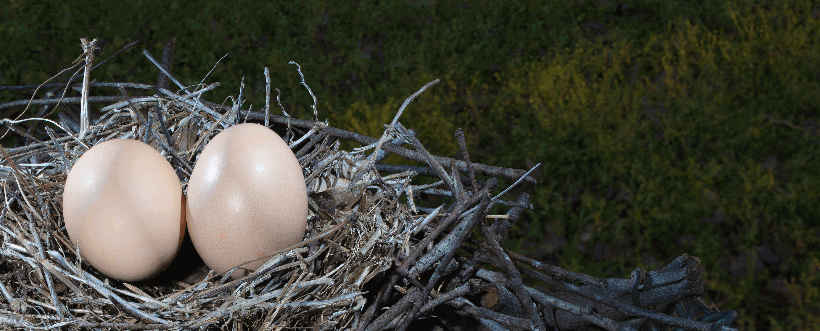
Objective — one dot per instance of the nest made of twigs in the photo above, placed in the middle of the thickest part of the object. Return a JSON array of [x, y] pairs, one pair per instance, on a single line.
[[374, 256]]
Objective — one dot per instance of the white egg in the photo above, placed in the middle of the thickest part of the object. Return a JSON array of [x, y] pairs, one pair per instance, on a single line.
[[246, 198], [123, 207]]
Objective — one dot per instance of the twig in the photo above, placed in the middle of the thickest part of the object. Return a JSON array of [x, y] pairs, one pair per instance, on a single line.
[[267, 98], [165, 72], [424, 171], [468, 288], [486, 170], [481, 312], [520, 179], [71, 100], [514, 277], [399, 308], [167, 62], [500, 299], [463, 145], [438, 273], [566, 275], [432, 161], [299, 69], [410, 99], [489, 186], [88, 49]]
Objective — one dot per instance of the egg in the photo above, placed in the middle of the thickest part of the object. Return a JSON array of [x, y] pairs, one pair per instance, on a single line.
[[123, 208], [246, 198]]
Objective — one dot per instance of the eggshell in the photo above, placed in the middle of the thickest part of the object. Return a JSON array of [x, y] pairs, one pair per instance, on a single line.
[[123, 207], [246, 198]]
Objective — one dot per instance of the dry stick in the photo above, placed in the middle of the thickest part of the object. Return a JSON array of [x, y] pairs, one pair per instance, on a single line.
[[557, 284], [47, 275], [267, 98], [31, 129], [131, 107], [237, 104], [11, 126], [514, 278], [147, 133], [287, 293], [459, 189], [393, 126], [162, 83], [59, 148], [318, 127], [551, 302], [424, 171], [88, 49], [558, 272], [452, 296], [449, 243], [396, 310], [54, 101], [162, 125], [432, 161], [28, 102], [381, 155], [676, 272], [124, 48], [79, 85], [17, 173], [487, 170], [71, 79], [460, 207], [402, 270], [463, 146], [167, 62], [502, 227], [586, 312], [498, 298], [197, 103], [437, 274], [199, 92], [670, 283], [166, 72], [481, 312], [299, 69], [312, 142], [446, 193], [628, 309], [22, 151], [466, 273], [62, 86]]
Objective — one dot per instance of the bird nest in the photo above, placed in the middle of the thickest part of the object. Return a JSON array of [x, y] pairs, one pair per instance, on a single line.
[[374, 256]]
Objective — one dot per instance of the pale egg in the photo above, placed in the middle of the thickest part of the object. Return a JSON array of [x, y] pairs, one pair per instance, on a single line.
[[124, 209], [246, 198]]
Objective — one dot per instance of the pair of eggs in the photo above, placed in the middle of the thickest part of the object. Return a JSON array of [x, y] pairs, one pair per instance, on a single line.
[[124, 207]]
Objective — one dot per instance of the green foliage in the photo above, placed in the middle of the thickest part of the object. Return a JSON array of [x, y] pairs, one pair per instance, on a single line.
[[672, 109]]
